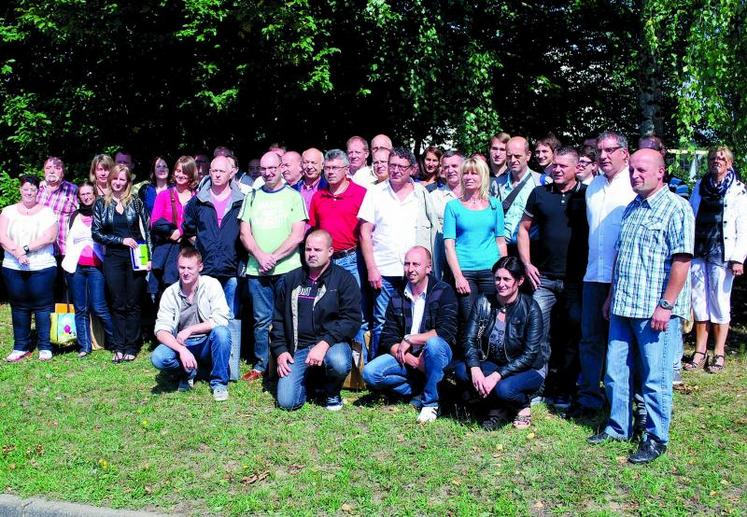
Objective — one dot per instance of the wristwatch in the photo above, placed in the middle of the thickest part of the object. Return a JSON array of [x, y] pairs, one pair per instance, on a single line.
[[665, 305], [26, 249], [407, 338]]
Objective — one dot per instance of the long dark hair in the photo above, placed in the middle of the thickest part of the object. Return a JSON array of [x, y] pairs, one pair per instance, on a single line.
[[511, 264]]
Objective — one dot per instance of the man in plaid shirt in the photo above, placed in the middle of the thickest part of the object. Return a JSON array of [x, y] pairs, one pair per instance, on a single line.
[[650, 286], [59, 195]]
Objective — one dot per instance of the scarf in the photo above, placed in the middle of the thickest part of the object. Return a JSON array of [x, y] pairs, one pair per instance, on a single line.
[[709, 187], [86, 210]]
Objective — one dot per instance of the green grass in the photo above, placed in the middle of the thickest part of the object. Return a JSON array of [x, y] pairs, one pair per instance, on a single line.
[[102, 434]]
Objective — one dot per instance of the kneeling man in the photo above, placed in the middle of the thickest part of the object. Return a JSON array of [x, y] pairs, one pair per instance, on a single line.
[[419, 333], [317, 314], [192, 327]]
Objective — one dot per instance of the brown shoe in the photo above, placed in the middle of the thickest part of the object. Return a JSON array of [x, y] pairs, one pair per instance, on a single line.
[[252, 375]]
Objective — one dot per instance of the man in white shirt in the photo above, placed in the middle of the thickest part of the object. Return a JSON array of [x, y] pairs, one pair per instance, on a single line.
[[606, 199], [394, 218]]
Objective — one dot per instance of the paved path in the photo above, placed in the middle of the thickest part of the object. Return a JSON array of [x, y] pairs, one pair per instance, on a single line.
[[12, 506]]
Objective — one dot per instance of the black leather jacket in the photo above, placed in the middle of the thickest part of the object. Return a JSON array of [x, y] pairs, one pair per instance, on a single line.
[[523, 346], [103, 222]]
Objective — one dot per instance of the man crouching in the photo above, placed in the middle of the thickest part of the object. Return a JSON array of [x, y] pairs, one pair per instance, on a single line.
[[192, 327], [317, 314]]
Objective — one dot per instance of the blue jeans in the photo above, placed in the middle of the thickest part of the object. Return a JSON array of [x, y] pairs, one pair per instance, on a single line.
[[30, 292], [230, 288], [211, 350], [381, 301], [562, 340], [634, 347], [351, 264], [480, 282], [262, 291], [515, 391], [337, 364], [593, 345], [385, 372], [89, 296]]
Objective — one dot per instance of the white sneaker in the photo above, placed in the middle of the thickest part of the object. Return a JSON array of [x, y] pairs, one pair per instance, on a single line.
[[17, 355], [220, 394], [428, 414], [45, 355]]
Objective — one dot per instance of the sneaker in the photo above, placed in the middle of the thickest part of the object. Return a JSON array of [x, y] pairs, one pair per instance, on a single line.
[[648, 451], [539, 399], [186, 385], [45, 355], [560, 401], [220, 393], [334, 403], [17, 355], [428, 414]]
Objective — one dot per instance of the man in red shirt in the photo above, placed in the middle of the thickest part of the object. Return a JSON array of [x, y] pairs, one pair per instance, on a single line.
[[335, 209]]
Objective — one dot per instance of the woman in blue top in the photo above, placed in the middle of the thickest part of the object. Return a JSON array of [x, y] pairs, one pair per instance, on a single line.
[[473, 236]]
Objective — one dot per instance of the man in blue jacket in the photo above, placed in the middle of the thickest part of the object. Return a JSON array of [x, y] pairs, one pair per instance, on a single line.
[[317, 314], [211, 223]]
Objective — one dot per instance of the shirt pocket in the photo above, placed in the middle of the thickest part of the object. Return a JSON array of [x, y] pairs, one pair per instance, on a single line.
[[651, 236]]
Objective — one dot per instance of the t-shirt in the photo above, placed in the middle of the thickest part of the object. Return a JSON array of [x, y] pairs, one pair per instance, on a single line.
[[562, 248], [221, 205], [23, 229], [305, 307], [271, 215], [338, 215], [474, 232], [188, 315]]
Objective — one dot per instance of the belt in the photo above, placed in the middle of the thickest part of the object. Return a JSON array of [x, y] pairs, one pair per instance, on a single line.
[[344, 253]]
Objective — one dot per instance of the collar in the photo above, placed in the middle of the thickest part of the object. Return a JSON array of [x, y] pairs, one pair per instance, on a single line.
[[409, 294], [313, 186], [655, 199]]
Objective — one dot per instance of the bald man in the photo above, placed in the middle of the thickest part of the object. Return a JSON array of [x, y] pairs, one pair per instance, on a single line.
[[290, 168], [312, 162], [317, 314], [650, 291]]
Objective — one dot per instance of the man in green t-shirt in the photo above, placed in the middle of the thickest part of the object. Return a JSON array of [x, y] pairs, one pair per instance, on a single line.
[[273, 220]]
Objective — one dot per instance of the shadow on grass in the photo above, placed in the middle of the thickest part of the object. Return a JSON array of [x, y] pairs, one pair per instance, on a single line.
[[165, 383]]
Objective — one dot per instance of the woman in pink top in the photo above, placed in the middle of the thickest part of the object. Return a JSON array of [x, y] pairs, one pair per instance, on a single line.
[[166, 223]]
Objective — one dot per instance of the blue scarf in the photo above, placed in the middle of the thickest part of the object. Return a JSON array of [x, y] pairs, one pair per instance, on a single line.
[[709, 187]]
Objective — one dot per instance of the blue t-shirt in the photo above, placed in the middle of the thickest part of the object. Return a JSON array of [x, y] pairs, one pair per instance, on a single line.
[[474, 233]]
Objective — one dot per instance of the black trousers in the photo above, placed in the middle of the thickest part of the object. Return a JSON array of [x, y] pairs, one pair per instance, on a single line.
[[126, 289]]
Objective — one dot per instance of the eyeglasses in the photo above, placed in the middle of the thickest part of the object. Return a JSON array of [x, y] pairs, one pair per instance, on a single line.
[[334, 168], [608, 150], [397, 166], [585, 163]]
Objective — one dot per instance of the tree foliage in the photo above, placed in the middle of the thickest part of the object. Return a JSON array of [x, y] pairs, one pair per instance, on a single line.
[[181, 76]]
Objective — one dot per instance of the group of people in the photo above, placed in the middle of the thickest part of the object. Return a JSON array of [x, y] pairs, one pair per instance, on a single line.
[[515, 283]]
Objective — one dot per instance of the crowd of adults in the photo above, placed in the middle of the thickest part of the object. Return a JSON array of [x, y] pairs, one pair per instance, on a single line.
[[517, 284]]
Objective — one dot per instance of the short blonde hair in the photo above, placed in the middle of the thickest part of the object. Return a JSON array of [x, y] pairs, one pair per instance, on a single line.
[[713, 151], [479, 166], [100, 159]]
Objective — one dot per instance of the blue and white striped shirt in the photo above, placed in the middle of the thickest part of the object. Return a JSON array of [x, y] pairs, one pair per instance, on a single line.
[[651, 232]]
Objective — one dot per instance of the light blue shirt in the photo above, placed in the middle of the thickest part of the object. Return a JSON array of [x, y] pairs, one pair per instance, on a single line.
[[515, 212], [474, 233], [651, 232]]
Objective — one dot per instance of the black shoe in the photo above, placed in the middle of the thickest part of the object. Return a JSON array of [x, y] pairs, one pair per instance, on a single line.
[[494, 420], [579, 412], [598, 439], [648, 451]]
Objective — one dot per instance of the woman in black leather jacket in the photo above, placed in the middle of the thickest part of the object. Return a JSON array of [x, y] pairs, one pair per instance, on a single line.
[[120, 224], [505, 360]]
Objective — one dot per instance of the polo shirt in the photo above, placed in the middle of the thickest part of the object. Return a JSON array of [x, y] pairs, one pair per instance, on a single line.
[[605, 204], [394, 226], [272, 215], [338, 214], [560, 218], [651, 232]]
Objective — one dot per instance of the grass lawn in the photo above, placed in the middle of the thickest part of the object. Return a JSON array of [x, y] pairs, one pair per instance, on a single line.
[[93, 432]]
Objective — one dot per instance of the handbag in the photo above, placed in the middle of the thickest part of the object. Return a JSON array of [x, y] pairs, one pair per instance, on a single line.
[[62, 330]]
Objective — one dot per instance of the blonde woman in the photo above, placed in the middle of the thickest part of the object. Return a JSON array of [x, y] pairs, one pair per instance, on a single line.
[[120, 224], [473, 235]]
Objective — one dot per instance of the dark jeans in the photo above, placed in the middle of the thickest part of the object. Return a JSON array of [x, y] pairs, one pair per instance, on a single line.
[[560, 302], [515, 391], [89, 295], [126, 289], [30, 292], [261, 290], [480, 282]]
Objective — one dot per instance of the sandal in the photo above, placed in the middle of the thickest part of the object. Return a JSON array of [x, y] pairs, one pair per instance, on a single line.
[[692, 364], [117, 358], [522, 421], [128, 358], [715, 366]]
